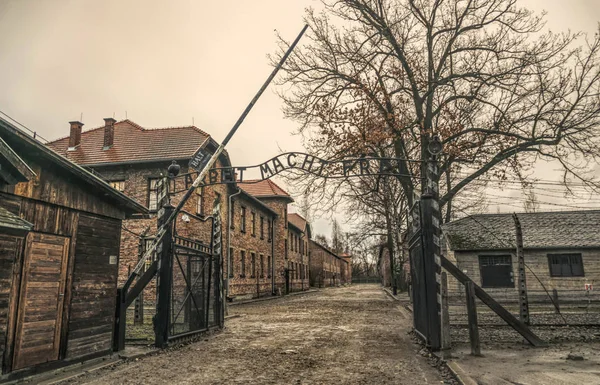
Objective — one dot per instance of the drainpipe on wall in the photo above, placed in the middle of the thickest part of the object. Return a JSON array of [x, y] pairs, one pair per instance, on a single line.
[[230, 217], [273, 292]]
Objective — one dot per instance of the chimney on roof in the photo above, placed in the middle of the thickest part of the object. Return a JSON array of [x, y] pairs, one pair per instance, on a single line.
[[75, 135], [109, 133]]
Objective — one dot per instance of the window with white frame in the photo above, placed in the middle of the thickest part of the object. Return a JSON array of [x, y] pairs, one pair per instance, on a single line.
[[152, 194], [118, 185]]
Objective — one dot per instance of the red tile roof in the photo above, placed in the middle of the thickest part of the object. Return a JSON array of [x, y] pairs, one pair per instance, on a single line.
[[133, 143], [296, 220], [264, 189]]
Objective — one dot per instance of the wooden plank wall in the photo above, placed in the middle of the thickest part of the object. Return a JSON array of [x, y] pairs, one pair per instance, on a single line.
[[58, 188], [10, 251], [91, 281], [536, 262], [94, 286], [46, 218]]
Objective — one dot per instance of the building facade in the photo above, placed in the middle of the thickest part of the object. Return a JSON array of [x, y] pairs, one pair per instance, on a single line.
[[326, 267], [277, 200], [561, 252], [266, 252], [346, 269], [298, 236], [251, 248]]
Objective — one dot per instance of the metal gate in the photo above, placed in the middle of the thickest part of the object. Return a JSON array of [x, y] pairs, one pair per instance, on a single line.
[[194, 291], [189, 282]]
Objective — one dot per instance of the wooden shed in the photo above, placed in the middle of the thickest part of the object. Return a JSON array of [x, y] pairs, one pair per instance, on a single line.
[[60, 230]]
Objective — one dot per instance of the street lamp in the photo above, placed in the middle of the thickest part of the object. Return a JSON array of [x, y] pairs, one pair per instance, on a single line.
[[173, 169], [435, 145]]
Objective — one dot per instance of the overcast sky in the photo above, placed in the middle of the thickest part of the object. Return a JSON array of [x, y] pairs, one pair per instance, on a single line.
[[165, 63]]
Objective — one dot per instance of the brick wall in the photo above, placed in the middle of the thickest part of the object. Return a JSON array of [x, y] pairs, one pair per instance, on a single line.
[[249, 243], [325, 269], [346, 269], [297, 261], [279, 205]]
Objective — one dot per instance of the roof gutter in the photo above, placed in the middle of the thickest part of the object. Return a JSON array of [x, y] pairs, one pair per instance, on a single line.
[[508, 249], [274, 197], [230, 220], [257, 201], [124, 163]]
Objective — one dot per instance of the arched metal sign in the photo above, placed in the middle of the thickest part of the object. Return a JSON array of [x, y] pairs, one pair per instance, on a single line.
[[344, 168]]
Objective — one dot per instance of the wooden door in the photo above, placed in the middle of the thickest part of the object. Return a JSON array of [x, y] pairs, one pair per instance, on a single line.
[[41, 300]]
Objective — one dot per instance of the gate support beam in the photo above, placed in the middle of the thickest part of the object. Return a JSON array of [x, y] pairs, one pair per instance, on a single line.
[[140, 284], [165, 270], [495, 306], [446, 340]]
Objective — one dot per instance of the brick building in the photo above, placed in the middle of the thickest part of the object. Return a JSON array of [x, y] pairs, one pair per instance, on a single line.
[[276, 199], [297, 278], [264, 253], [326, 267], [346, 272], [401, 266], [251, 247], [132, 158]]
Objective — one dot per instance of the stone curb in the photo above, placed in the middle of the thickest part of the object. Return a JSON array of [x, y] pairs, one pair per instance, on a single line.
[[68, 372], [390, 294], [81, 372], [406, 304], [461, 376], [243, 302]]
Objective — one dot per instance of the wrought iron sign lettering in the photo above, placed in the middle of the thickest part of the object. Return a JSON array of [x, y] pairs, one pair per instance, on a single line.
[[345, 168]]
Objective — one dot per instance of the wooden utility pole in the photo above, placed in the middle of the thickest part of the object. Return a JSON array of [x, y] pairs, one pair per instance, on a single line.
[[472, 314], [446, 342], [523, 300]]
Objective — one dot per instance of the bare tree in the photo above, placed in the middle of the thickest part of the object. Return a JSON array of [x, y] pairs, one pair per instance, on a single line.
[[483, 74], [531, 203], [337, 236], [304, 207], [322, 240]]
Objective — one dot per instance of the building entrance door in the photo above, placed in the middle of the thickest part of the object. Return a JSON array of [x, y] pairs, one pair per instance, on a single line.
[[41, 299]]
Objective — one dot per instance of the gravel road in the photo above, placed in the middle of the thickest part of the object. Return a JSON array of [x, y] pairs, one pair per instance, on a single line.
[[347, 335]]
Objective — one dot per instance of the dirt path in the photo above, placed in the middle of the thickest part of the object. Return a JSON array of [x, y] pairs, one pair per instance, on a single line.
[[350, 335]]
